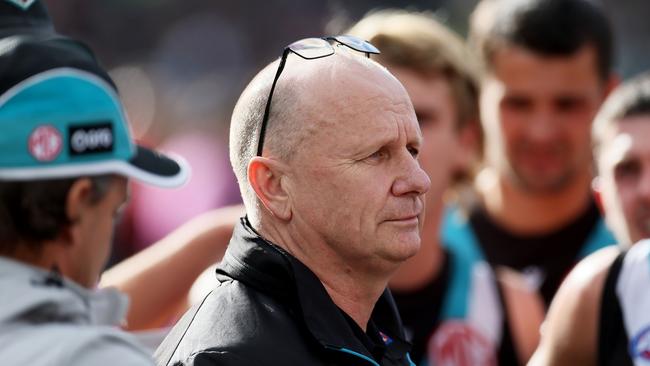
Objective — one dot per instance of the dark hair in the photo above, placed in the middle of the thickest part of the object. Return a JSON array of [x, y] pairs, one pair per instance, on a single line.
[[34, 211], [547, 27], [630, 99]]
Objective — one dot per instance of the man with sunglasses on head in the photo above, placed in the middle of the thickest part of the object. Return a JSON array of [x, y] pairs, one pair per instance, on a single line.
[[324, 143]]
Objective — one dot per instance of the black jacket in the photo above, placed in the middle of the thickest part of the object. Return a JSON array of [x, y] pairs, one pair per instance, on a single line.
[[270, 309]]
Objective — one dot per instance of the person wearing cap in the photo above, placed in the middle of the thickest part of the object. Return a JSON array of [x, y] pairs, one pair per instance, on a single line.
[[65, 158], [324, 143]]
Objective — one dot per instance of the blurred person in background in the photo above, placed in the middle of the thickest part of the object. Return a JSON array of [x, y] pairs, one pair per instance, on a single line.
[[455, 309], [546, 68], [66, 156], [600, 314]]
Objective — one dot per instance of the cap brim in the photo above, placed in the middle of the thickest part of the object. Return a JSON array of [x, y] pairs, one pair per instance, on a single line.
[[146, 166], [157, 169]]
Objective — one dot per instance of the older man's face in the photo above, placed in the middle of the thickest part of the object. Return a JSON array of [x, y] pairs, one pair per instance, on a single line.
[[624, 166], [357, 184]]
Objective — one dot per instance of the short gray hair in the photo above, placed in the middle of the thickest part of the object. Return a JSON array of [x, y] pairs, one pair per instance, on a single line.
[[282, 136]]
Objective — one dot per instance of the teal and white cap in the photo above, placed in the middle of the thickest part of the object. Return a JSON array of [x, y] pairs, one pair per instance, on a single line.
[[61, 117]]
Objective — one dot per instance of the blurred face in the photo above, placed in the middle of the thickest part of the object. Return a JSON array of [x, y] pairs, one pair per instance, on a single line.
[[356, 184], [441, 152], [537, 114], [95, 233], [624, 166]]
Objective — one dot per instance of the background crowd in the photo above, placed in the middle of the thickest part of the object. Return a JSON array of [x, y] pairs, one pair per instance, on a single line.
[[181, 65]]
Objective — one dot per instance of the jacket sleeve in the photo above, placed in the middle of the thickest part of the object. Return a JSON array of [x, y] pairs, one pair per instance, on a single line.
[[108, 350]]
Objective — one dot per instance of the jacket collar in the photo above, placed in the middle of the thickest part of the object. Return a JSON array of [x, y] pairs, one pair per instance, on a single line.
[[268, 268]]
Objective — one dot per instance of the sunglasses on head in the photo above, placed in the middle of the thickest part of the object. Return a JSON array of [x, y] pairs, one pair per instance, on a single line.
[[310, 49]]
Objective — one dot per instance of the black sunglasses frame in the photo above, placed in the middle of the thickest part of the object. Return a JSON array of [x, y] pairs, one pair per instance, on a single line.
[[351, 42]]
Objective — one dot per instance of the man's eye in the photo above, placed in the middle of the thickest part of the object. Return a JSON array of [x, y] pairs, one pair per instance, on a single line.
[[517, 103], [414, 152], [568, 104], [426, 119], [626, 170], [378, 155]]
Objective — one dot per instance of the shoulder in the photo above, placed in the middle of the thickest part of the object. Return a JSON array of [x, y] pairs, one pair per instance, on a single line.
[[634, 274], [109, 346], [638, 254], [72, 344], [236, 324], [569, 335], [584, 284]]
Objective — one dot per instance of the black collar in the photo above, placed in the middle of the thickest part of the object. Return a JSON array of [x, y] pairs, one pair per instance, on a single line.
[[268, 268]]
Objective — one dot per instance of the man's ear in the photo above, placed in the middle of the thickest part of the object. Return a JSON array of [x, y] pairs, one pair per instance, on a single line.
[[77, 202], [266, 178]]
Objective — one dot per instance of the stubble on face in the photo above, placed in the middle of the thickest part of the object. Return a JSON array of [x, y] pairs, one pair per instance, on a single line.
[[537, 113]]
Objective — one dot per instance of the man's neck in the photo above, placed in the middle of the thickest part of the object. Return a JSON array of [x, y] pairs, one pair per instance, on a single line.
[[355, 300], [352, 288], [45, 255], [525, 213]]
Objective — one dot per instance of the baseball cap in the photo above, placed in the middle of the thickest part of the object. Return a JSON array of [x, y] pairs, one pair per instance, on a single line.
[[61, 117]]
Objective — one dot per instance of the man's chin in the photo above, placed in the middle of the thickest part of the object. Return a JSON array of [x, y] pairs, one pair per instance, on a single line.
[[542, 183], [405, 250]]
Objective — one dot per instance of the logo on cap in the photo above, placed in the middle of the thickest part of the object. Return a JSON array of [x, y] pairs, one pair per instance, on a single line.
[[45, 143], [24, 4], [89, 139]]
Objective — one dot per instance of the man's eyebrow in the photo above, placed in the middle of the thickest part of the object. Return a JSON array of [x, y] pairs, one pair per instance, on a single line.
[[373, 142]]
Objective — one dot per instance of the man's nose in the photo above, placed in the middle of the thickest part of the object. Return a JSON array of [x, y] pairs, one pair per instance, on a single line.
[[412, 179], [543, 125]]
